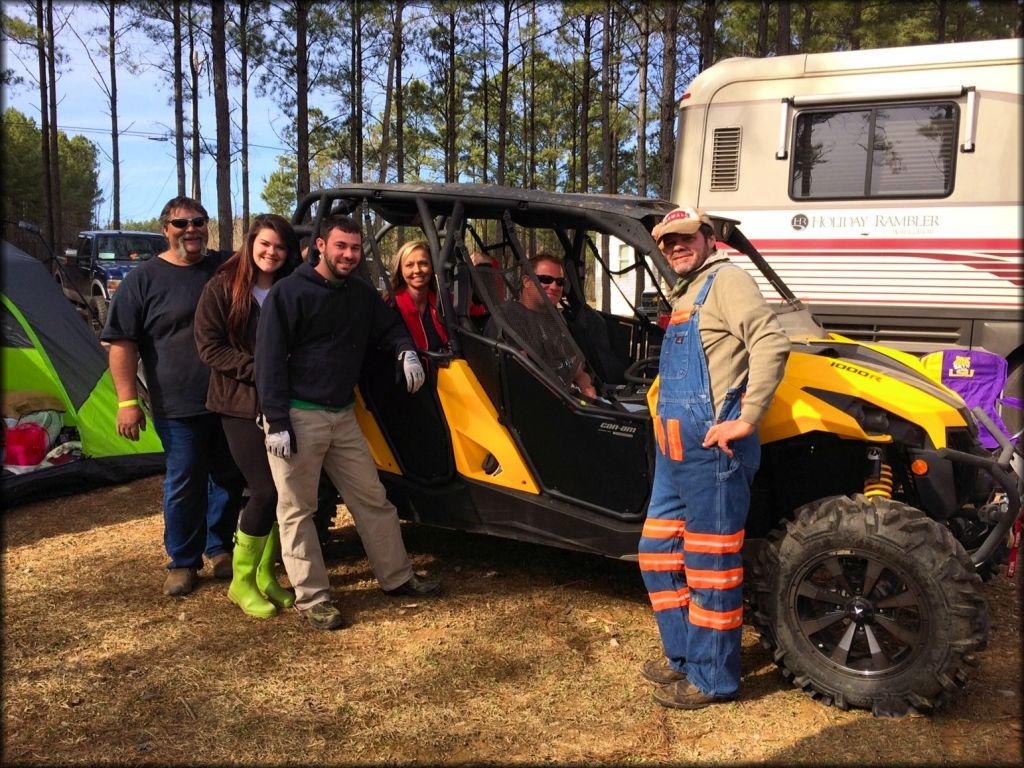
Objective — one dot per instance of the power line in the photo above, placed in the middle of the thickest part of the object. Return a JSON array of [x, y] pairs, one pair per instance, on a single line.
[[151, 135]]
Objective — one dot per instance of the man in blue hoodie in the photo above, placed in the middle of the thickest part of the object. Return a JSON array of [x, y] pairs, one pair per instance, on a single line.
[[315, 327]]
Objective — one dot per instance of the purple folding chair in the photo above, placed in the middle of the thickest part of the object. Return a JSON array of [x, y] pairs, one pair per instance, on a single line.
[[979, 377]]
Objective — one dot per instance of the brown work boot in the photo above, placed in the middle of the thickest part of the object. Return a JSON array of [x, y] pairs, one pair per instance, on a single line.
[[323, 615], [180, 581], [685, 695], [221, 565], [660, 672]]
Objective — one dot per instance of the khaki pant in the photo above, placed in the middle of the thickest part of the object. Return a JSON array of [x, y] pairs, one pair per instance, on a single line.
[[333, 441]]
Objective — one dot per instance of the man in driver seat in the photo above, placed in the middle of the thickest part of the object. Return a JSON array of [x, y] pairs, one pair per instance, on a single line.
[[541, 330]]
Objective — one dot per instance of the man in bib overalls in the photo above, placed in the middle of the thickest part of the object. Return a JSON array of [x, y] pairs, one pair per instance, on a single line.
[[722, 357]]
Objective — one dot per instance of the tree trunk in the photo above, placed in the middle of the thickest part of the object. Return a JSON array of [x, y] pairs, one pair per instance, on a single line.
[[195, 64], [807, 30], [606, 137], [451, 119], [243, 77], [856, 10], [225, 222], [52, 219], [940, 22], [179, 98], [399, 106], [783, 45], [51, 66], [301, 99], [385, 131], [585, 104], [606, 98], [574, 133], [960, 28], [667, 116], [503, 94], [707, 36], [356, 95], [641, 106], [115, 155], [486, 87], [531, 170], [762, 28]]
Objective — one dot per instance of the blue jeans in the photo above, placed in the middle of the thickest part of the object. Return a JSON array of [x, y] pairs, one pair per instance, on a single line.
[[202, 489]]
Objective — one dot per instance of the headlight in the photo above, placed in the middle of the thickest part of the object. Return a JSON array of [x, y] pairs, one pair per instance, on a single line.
[[872, 419]]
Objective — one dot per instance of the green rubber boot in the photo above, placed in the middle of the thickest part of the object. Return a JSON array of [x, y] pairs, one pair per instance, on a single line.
[[266, 575], [243, 591]]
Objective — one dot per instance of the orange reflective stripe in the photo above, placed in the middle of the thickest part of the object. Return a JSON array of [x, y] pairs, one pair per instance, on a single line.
[[714, 579], [722, 620], [659, 433], [680, 316], [675, 442], [714, 543], [670, 598], [658, 561], [655, 528]]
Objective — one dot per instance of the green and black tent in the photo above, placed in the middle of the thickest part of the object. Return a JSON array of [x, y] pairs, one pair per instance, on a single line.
[[49, 353]]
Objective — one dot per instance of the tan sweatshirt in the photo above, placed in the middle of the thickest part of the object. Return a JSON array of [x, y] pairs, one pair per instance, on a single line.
[[739, 332]]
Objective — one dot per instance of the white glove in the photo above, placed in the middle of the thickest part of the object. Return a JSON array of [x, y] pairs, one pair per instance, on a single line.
[[280, 444], [413, 370]]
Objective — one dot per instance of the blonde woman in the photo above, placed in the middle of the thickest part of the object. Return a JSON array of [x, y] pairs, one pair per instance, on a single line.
[[413, 295]]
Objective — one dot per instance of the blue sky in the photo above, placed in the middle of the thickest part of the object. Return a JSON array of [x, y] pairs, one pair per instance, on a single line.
[[148, 176]]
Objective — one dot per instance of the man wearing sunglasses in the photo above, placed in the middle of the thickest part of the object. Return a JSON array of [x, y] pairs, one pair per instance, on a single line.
[[533, 317], [151, 318]]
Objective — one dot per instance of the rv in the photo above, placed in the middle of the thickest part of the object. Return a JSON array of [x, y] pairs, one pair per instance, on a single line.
[[884, 186]]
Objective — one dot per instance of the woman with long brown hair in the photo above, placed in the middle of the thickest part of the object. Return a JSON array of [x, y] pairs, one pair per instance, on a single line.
[[225, 330]]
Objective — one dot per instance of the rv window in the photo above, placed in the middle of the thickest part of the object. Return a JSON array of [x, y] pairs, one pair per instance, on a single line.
[[883, 151]]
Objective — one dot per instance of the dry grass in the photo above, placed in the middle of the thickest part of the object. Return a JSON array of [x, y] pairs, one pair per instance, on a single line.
[[531, 656]]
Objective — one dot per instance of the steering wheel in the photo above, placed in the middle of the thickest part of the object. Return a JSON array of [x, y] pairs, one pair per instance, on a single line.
[[634, 374]]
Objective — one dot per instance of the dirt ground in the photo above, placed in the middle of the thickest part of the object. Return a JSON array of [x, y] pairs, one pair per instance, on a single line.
[[530, 656]]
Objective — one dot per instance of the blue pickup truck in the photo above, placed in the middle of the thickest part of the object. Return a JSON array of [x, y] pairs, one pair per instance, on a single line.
[[90, 273]]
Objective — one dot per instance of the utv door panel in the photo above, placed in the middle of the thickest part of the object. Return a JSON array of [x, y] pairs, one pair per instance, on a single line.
[[412, 425], [597, 457], [483, 449]]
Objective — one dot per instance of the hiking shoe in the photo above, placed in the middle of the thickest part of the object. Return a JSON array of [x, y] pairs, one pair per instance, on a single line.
[[323, 615], [415, 587], [685, 695], [180, 581], [660, 672], [221, 565]]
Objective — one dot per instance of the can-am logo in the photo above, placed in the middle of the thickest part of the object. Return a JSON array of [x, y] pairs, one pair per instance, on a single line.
[[799, 222]]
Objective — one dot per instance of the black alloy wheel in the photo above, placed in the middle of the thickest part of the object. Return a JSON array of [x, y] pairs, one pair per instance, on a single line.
[[869, 603]]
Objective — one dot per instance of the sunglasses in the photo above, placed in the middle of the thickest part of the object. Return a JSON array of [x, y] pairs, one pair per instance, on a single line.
[[195, 221], [549, 279]]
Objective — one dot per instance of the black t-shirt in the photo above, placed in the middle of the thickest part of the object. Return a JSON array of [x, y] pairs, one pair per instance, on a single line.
[[155, 306]]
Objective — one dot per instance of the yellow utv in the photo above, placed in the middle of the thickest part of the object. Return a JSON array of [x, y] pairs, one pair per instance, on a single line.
[[875, 511]]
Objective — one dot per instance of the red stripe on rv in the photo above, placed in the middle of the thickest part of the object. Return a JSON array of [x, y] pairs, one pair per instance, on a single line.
[[1012, 244]]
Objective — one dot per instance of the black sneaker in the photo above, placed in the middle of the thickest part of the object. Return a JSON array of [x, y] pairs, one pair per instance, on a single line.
[[415, 587], [323, 615]]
